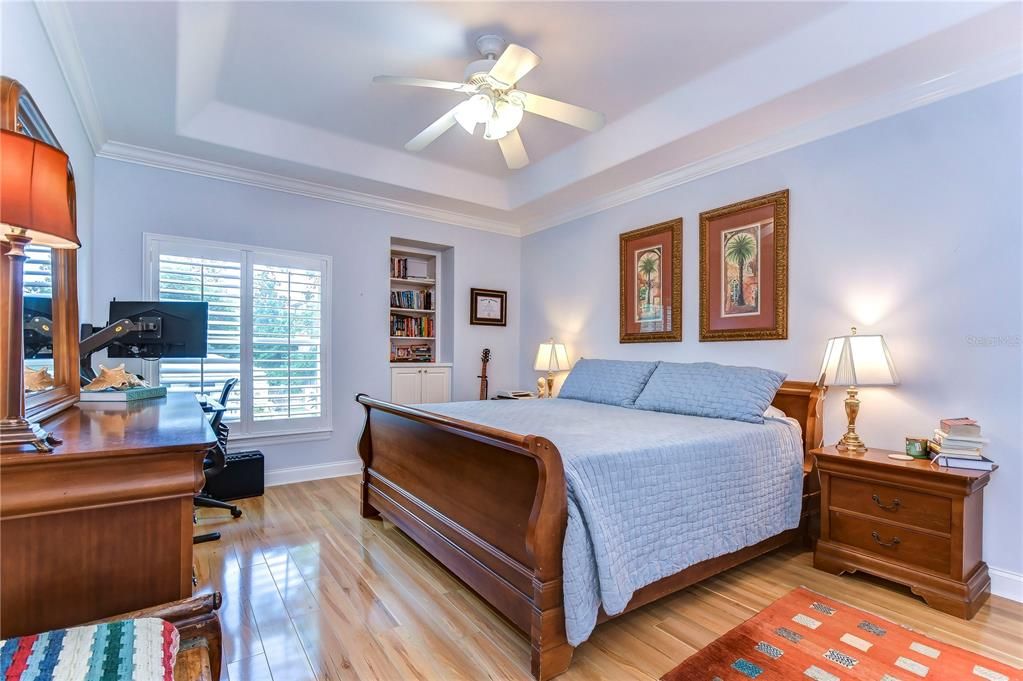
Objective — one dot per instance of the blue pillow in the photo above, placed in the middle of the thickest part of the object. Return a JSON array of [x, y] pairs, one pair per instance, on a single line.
[[607, 381], [713, 390]]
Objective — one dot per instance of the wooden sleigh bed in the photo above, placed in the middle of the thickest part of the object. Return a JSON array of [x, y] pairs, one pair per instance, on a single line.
[[491, 506]]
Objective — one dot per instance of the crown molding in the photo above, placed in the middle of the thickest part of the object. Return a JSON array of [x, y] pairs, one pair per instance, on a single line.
[[984, 72], [130, 153], [57, 25]]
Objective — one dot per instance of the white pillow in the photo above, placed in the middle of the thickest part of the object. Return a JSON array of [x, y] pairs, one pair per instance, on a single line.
[[773, 412]]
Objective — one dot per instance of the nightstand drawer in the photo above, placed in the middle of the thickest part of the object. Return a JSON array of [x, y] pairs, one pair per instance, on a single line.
[[892, 503], [892, 542]]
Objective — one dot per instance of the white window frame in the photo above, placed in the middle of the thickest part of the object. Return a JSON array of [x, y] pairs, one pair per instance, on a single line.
[[246, 428]]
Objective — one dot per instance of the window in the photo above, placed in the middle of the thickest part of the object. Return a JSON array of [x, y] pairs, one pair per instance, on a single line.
[[38, 271], [268, 313]]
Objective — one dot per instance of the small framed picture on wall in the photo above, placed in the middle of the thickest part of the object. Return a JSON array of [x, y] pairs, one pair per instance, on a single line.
[[650, 284], [744, 270], [488, 307]]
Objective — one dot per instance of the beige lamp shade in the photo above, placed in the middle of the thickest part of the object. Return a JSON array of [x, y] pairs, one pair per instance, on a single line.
[[35, 200], [551, 356], [856, 360]]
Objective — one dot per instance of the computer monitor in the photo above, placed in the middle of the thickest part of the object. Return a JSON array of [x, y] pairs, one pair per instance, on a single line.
[[175, 329], [38, 327]]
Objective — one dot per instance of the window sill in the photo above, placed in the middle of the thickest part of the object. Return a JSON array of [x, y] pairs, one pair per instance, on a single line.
[[285, 438]]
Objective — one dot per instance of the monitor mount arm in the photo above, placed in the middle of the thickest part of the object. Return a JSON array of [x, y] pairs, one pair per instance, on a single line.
[[38, 335], [104, 338]]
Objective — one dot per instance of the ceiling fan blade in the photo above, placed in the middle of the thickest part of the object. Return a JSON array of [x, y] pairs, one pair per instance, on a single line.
[[514, 151], [433, 131], [515, 62], [563, 112], [424, 82]]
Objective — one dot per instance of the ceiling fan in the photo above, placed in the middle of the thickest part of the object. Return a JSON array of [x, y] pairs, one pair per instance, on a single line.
[[495, 102]]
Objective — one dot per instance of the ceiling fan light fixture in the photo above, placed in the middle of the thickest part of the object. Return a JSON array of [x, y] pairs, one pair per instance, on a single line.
[[508, 113], [466, 117], [494, 129], [494, 100], [480, 107]]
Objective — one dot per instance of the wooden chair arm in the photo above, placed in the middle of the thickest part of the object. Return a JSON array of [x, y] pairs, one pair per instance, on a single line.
[[194, 618]]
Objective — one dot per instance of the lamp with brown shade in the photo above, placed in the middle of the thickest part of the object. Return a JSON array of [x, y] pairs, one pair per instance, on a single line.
[[35, 207]]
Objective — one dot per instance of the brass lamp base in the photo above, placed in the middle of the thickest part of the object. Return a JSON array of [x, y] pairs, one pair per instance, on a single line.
[[18, 435], [851, 441]]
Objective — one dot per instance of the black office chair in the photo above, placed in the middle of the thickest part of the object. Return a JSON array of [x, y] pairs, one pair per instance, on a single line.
[[215, 462]]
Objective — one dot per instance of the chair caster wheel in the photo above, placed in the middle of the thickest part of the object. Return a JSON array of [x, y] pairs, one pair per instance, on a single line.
[[236, 513]]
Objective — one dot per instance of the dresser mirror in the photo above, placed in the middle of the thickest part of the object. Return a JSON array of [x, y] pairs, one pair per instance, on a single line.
[[50, 329]]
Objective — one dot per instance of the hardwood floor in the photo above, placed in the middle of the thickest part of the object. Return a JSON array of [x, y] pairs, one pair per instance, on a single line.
[[313, 591]]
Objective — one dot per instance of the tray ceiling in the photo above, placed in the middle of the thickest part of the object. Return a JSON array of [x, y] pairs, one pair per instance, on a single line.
[[280, 93]]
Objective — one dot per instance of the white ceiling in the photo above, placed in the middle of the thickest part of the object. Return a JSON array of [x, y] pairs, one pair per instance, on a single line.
[[280, 93]]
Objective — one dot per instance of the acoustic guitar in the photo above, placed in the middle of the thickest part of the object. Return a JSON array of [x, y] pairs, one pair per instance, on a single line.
[[484, 388]]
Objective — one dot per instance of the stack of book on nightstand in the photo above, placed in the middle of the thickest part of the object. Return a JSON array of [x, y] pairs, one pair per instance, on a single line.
[[957, 444]]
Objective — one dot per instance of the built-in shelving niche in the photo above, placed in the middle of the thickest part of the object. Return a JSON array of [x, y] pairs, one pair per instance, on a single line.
[[421, 291]]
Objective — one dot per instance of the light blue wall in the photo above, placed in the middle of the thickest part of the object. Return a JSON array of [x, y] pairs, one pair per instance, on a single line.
[[909, 227], [133, 199], [27, 57]]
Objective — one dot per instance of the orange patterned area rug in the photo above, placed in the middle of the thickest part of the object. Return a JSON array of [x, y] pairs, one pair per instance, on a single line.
[[804, 635]]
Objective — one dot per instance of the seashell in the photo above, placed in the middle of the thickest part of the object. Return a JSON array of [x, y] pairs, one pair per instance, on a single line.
[[116, 378], [37, 379]]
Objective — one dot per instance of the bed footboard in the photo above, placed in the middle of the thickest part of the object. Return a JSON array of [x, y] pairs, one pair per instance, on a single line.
[[488, 504]]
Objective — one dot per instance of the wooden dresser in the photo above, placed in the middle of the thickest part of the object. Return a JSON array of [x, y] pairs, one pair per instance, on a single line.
[[908, 521], [103, 524]]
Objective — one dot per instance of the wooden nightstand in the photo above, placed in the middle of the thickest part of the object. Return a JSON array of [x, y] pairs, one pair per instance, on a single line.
[[907, 521]]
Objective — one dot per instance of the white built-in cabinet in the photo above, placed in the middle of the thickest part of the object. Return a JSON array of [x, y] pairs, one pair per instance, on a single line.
[[420, 385]]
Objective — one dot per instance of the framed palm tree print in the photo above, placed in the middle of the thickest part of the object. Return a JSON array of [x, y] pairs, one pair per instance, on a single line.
[[650, 283], [744, 270]]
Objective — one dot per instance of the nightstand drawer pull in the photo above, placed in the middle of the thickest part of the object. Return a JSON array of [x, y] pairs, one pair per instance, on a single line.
[[877, 538], [893, 507]]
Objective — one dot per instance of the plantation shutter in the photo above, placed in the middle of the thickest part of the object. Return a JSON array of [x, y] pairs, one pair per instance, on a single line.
[[268, 311], [287, 366], [217, 281], [38, 271]]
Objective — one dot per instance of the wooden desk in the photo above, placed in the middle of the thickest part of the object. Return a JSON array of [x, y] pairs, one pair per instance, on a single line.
[[103, 524]]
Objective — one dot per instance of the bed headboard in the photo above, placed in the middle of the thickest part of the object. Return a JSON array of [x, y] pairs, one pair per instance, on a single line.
[[804, 401]]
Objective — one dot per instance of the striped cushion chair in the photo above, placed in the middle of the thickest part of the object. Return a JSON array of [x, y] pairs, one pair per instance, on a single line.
[[125, 650]]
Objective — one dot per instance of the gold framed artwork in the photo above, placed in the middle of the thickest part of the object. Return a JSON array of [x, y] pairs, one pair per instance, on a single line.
[[650, 284], [488, 307], [744, 270]]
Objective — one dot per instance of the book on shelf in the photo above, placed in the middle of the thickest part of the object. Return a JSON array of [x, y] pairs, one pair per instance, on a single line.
[[960, 426], [412, 353], [408, 326], [981, 464], [412, 300], [399, 268]]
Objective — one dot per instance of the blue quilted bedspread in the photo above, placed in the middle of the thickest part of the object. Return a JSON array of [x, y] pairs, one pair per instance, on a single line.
[[649, 493]]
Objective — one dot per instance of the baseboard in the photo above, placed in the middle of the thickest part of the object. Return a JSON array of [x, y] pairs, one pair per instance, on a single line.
[[286, 476], [1006, 583]]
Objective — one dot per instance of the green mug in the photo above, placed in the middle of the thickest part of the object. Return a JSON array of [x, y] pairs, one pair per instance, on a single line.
[[916, 447]]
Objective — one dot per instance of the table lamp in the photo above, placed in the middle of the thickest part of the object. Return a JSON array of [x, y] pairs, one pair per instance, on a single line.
[[551, 357], [855, 361], [35, 207]]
